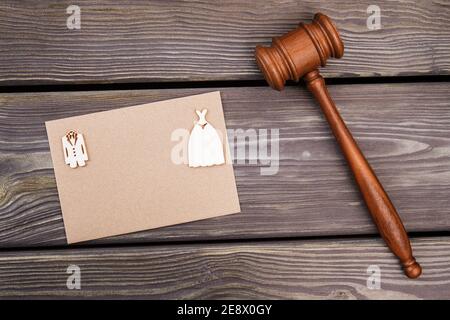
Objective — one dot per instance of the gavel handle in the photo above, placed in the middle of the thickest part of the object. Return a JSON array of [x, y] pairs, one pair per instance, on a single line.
[[380, 206]]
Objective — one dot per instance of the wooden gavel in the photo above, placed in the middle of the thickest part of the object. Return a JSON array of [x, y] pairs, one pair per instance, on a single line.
[[298, 54]]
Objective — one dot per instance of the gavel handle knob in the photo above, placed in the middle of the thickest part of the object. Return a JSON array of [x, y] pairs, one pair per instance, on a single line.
[[380, 206]]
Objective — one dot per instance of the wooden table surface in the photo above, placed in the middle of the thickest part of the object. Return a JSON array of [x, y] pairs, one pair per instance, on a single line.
[[303, 232]]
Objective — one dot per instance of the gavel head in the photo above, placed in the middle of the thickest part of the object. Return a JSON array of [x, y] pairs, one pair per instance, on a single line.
[[300, 51]]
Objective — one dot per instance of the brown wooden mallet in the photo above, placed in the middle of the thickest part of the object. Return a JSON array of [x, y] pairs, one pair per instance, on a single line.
[[298, 54]]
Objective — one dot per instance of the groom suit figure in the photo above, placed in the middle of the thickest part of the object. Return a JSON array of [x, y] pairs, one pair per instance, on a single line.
[[75, 153]]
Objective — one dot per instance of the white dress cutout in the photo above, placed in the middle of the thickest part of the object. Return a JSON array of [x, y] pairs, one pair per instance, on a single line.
[[205, 147], [75, 153]]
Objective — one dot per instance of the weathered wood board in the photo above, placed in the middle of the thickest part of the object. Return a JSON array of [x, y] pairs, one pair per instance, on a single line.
[[333, 269], [140, 41], [404, 130]]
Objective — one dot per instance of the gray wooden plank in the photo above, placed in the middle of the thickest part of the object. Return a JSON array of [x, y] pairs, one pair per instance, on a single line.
[[332, 269], [404, 129], [137, 41]]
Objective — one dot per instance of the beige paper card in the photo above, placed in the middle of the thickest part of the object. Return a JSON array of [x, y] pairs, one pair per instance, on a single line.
[[130, 181]]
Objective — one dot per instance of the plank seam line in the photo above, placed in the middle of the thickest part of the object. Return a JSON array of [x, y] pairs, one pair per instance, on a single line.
[[412, 235], [208, 84]]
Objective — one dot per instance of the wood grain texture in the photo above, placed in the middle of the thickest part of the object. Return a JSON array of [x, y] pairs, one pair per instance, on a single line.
[[404, 130], [264, 270], [136, 41]]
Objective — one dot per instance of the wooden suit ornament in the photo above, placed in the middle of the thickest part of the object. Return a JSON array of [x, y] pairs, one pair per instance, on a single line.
[[205, 147], [300, 53], [75, 153]]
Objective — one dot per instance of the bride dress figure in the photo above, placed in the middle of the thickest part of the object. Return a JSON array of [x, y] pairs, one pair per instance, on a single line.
[[205, 147]]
